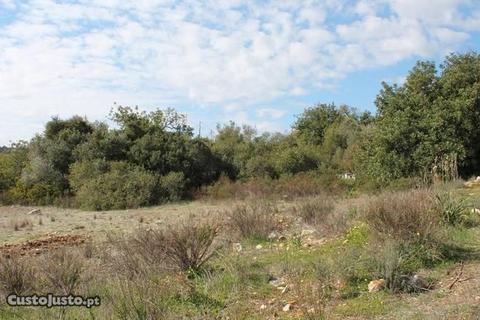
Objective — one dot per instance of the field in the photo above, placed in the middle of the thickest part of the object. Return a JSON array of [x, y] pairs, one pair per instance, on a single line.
[[309, 258]]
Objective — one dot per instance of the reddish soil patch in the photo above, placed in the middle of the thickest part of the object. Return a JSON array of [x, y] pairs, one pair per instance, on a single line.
[[37, 246]]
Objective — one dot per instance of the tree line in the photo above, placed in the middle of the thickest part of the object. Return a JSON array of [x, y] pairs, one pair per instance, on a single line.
[[426, 128]]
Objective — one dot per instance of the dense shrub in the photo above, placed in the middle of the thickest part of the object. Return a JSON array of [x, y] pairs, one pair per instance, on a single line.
[[123, 186], [171, 187], [185, 247], [404, 216], [316, 210], [255, 220]]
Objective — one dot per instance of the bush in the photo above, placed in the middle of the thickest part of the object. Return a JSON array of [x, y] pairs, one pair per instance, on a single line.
[[453, 211], [316, 211], [186, 247], [123, 186], [16, 275], [398, 262], [404, 216], [171, 187], [190, 246], [64, 270], [255, 220]]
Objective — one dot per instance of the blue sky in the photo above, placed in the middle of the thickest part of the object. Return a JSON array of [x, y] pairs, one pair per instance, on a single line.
[[254, 62]]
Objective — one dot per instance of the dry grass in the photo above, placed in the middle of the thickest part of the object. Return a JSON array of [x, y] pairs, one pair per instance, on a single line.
[[315, 211], [185, 247], [64, 270], [406, 215], [256, 220], [19, 224], [16, 275]]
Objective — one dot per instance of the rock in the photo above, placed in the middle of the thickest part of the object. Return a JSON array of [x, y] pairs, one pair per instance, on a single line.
[[259, 247], [376, 285], [263, 307], [273, 235], [307, 232], [237, 247], [35, 211], [418, 283], [287, 307], [276, 282]]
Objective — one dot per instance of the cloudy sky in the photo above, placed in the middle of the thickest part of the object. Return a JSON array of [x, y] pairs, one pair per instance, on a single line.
[[255, 62]]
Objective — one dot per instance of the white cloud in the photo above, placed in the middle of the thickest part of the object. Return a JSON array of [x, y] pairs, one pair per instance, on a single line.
[[65, 58], [271, 113]]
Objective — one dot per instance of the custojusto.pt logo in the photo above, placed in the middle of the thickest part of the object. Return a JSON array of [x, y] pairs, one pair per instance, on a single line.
[[50, 300]]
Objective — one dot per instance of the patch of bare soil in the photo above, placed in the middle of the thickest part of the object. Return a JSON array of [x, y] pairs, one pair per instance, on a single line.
[[45, 243]]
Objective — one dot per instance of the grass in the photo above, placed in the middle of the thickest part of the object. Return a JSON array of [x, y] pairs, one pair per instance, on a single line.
[[322, 281]]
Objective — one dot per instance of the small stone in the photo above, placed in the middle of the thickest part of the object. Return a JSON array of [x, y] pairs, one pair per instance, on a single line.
[[263, 307], [259, 247], [237, 247], [376, 285], [418, 283], [276, 282], [287, 307], [307, 232], [311, 310], [273, 235], [35, 211]]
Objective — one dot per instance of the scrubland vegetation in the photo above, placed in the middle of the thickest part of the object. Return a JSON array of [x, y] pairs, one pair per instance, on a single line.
[[287, 237]]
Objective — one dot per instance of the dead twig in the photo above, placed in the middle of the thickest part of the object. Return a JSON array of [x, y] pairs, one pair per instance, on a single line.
[[457, 278]]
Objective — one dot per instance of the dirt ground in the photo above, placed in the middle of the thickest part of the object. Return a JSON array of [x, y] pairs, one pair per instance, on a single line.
[[17, 225]]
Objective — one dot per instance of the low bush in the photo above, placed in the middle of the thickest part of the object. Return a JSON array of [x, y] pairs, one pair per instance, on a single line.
[[453, 210], [64, 271], [316, 210], [398, 262], [256, 220], [404, 216], [186, 247], [16, 275]]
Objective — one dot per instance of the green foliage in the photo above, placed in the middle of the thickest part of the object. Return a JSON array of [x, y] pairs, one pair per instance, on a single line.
[[171, 187], [12, 162], [426, 122], [425, 130], [453, 210], [122, 186]]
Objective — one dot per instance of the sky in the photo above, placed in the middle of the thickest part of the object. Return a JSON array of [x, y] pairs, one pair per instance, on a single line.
[[254, 62]]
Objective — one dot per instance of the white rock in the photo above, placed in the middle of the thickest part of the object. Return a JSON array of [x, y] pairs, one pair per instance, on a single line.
[[237, 247], [287, 307], [259, 247], [263, 307], [307, 232], [35, 211], [273, 235]]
